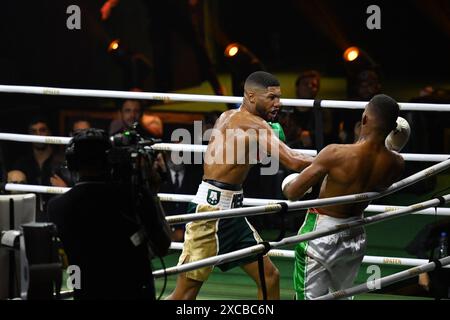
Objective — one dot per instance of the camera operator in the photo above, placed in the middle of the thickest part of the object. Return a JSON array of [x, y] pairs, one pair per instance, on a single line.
[[100, 229]]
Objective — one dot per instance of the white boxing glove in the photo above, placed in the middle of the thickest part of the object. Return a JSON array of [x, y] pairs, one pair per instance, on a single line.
[[289, 179], [398, 137]]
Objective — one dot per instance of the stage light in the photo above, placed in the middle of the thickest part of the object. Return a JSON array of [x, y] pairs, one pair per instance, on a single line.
[[117, 50], [231, 50], [359, 59], [114, 45], [351, 54]]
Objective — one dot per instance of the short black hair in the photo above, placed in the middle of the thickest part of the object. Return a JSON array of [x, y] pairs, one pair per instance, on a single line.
[[87, 149], [80, 119], [120, 102], [386, 109], [39, 119], [262, 79]]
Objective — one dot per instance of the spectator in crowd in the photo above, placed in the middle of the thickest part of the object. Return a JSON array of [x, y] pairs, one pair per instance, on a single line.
[[78, 125], [152, 126], [429, 124], [42, 165], [130, 112], [363, 87], [426, 91], [307, 86], [296, 137], [429, 134], [16, 176], [180, 179], [367, 85]]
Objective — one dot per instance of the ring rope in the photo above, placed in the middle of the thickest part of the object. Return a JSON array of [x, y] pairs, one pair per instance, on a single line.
[[168, 197], [387, 280], [195, 147], [290, 254], [174, 197], [252, 250], [34, 188], [166, 97], [273, 208], [305, 204]]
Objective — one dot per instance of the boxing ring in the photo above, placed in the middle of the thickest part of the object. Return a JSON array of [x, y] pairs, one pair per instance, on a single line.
[[253, 207]]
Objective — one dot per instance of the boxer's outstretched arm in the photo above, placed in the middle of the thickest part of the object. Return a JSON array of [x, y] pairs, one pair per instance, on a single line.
[[312, 175], [278, 150], [292, 159]]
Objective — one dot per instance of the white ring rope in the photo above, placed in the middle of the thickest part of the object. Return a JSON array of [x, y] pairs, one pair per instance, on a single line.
[[290, 254], [169, 197], [315, 203], [422, 157], [33, 138], [177, 147], [196, 147], [33, 188], [384, 281], [204, 98], [173, 197], [231, 256], [271, 208]]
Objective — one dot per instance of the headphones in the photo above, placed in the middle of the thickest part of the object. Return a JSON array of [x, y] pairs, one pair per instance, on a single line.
[[88, 148]]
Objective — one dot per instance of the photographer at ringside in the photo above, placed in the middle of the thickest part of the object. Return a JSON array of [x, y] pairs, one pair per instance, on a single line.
[[108, 231]]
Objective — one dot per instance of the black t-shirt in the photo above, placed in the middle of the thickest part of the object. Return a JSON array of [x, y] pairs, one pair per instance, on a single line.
[[95, 226], [39, 176]]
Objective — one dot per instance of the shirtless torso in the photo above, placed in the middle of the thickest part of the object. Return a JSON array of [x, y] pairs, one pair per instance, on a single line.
[[358, 168], [366, 165], [225, 161]]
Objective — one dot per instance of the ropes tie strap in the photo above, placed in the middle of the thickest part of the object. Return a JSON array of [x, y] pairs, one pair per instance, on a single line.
[[262, 277], [282, 215]]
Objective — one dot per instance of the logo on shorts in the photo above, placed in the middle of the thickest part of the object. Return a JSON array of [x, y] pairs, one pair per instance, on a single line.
[[213, 197]]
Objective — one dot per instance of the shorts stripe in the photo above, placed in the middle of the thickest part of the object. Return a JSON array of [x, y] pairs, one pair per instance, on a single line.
[[301, 259]]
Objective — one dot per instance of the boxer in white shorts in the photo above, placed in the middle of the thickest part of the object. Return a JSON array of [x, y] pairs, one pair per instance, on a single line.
[[331, 263]]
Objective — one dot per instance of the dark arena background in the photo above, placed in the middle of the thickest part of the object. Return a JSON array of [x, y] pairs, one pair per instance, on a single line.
[[209, 47]]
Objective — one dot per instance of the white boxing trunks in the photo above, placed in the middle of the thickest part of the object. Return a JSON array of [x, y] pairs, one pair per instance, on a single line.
[[329, 263]]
